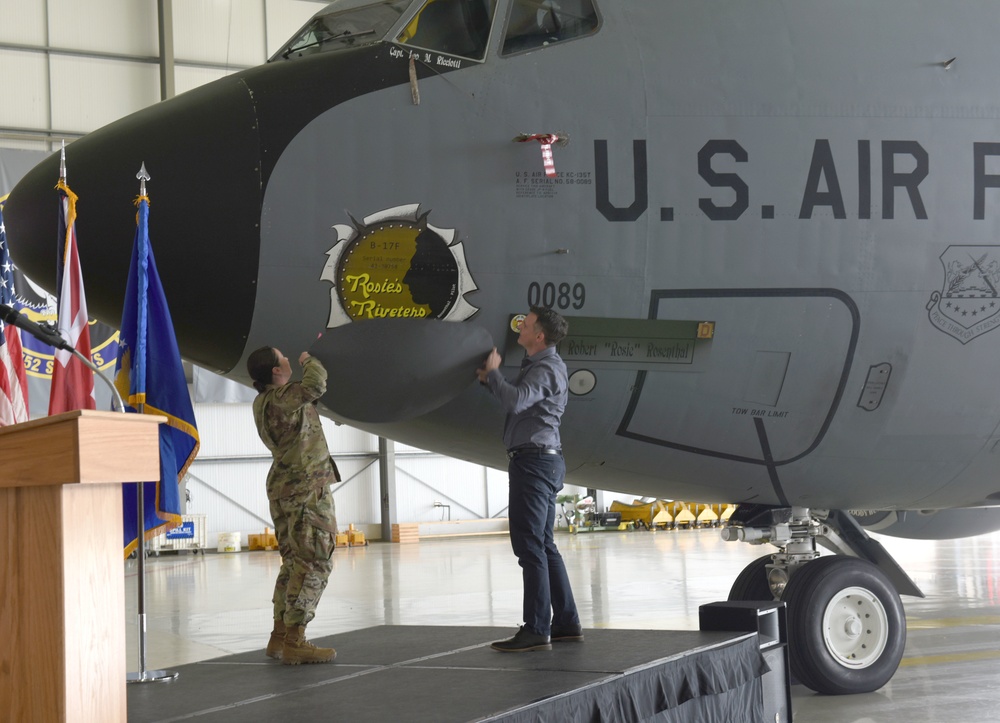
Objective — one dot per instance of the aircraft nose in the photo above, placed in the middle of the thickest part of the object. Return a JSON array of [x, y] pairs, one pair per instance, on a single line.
[[202, 152]]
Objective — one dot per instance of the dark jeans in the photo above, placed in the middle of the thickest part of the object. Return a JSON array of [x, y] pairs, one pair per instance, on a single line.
[[548, 599]]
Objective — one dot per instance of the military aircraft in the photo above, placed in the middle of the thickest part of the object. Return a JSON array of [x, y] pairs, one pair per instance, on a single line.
[[772, 226]]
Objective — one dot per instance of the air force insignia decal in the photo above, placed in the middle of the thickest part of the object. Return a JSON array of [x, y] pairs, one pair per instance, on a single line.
[[968, 304], [393, 264]]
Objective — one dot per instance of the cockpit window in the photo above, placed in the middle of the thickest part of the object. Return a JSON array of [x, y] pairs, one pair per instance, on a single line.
[[344, 24], [538, 23], [455, 27]]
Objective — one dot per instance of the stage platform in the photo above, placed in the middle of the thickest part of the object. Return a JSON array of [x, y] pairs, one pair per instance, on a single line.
[[442, 674]]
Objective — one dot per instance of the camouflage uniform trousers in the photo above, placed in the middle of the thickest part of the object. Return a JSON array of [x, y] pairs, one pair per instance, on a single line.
[[305, 525]]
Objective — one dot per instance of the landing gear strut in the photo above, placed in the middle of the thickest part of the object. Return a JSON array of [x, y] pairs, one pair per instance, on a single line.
[[846, 625]]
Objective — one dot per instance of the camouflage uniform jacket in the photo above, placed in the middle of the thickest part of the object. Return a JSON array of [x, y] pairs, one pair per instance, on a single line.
[[289, 426]]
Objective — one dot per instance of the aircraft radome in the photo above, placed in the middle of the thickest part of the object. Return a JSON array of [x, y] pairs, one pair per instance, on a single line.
[[774, 228]]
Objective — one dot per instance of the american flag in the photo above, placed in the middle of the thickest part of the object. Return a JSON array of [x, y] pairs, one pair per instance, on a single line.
[[13, 380], [72, 380]]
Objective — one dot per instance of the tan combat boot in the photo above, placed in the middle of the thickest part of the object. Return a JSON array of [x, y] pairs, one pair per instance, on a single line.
[[277, 641], [299, 650]]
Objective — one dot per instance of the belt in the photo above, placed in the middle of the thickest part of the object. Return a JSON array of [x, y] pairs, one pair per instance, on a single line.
[[532, 451]]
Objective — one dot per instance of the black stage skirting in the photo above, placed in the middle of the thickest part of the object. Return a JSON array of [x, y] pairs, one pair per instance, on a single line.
[[441, 674]]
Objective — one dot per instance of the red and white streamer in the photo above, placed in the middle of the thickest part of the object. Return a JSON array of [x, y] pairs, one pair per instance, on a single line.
[[546, 140]]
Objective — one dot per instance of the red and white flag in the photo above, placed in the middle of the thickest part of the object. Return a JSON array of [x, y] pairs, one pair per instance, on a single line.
[[13, 379], [72, 380]]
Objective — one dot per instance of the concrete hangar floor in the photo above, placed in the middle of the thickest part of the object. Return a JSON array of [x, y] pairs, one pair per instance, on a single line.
[[205, 606]]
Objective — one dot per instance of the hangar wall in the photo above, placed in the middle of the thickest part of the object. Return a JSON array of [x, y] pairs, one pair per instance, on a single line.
[[69, 67]]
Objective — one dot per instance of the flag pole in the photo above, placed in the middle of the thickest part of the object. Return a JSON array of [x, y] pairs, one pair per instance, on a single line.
[[143, 675]]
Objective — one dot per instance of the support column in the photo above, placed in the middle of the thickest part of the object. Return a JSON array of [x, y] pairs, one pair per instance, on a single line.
[[387, 486]]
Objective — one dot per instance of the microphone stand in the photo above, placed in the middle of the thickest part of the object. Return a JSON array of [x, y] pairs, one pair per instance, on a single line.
[[93, 367]]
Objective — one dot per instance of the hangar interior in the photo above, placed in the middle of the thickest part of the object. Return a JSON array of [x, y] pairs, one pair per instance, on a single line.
[[68, 68]]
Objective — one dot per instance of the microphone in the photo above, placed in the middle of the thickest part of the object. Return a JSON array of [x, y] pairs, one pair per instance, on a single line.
[[43, 332]]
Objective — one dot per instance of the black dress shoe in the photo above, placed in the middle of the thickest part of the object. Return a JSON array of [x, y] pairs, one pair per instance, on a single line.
[[523, 641], [567, 634]]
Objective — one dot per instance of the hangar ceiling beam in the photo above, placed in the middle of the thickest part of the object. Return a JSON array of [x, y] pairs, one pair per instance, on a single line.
[[165, 20]]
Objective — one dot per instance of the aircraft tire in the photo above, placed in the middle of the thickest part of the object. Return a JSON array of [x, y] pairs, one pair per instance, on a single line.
[[846, 626], [751, 583]]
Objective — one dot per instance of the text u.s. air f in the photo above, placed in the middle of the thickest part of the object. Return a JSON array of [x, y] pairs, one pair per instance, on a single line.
[[774, 229]]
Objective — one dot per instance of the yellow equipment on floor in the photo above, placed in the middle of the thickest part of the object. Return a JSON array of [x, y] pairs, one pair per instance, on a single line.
[[640, 512], [351, 538], [267, 541]]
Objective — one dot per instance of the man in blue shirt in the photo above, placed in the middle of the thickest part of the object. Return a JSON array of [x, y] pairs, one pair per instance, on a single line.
[[534, 403]]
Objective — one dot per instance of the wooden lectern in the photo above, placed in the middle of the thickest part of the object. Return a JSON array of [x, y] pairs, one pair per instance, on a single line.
[[62, 582]]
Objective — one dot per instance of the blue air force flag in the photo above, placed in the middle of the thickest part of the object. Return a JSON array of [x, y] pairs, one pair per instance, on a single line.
[[150, 377]]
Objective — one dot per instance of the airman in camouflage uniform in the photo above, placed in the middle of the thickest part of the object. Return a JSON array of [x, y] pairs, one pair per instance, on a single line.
[[298, 488]]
